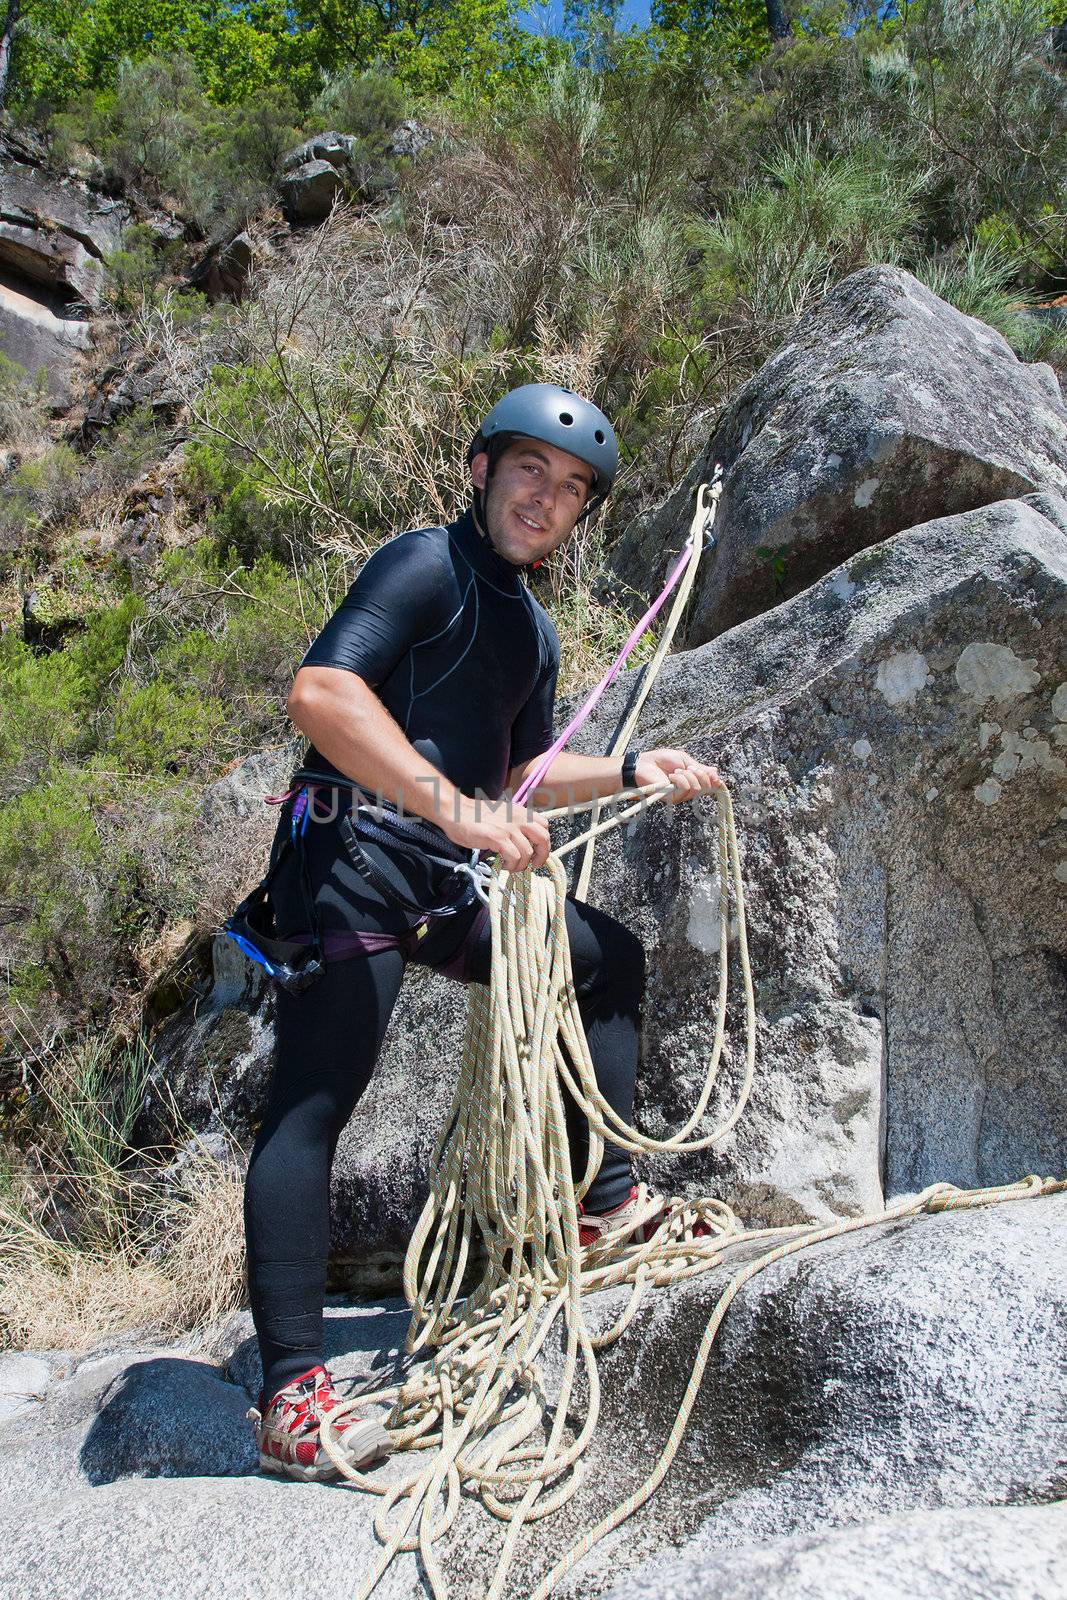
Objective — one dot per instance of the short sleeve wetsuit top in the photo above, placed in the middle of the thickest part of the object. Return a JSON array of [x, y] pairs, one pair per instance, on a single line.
[[457, 648], [464, 658]]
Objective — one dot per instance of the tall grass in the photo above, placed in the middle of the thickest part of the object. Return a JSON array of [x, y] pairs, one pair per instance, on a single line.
[[784, 241], [982, 280], [98, 1238], [95, 1108]]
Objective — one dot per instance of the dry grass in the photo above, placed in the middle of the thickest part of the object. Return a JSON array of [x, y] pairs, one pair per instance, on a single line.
[[24, 412], [101, 1240], [205, 1262], [58, 1295], [54, 1297]]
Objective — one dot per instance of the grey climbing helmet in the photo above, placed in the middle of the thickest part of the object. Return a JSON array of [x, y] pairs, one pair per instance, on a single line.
[[555, 416]]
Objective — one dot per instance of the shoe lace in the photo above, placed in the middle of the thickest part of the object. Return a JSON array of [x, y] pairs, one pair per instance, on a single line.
[[314, 1398]]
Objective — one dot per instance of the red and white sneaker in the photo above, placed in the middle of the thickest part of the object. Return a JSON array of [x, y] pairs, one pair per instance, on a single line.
[[633, 1222], [287, 1431]]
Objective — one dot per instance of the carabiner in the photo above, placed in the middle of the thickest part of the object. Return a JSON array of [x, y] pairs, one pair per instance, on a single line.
[[479, 872]]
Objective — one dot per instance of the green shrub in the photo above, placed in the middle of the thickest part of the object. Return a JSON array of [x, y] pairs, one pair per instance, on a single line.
[[253, 138], [232, 635], [40, 493], [145, 130], [368, 104], [784, 242], [52, 706], [155, 131], [135, 271], [42, 713], [98, 652], [244, 487], [124, 452], [208, 654], [238, 517], [776, 558], [50, 868], [982, 281], [105, 745], [1040, 253], [247, 662], [96, 865], [981, 105], [654, 126], [158, 728]]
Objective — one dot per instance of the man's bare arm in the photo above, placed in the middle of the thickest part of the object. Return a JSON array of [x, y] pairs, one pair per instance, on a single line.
[[345, 720], [573, 779]]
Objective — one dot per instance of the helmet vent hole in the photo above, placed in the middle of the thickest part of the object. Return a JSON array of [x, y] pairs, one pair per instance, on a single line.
[[598, 436], [566, 418]]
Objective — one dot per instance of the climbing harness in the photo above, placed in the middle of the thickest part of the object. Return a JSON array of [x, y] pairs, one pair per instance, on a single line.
[[296, 962], [494, 1267]]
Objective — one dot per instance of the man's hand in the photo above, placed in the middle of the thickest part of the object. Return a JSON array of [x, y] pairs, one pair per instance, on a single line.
[[520, 843], [689, 776]]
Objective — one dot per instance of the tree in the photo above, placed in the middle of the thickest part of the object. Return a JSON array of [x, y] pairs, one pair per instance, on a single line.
[[241, 47], [427, 44], [63, 48], [730, 34]]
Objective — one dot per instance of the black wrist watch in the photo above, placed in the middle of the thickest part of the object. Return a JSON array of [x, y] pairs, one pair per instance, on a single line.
[[629, 769]]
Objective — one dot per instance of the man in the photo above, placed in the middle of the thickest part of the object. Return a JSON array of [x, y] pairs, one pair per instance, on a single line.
[[432, 688]]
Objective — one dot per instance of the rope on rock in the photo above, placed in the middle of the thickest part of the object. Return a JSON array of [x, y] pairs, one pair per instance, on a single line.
[[502, 1177], [494, 1264]]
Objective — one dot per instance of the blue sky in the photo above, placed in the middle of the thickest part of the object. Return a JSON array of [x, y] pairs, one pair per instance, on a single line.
[[547, 15], [630, 11]]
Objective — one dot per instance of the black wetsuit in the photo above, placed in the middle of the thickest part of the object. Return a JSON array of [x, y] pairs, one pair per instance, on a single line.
[[457, 649], [465, 659]]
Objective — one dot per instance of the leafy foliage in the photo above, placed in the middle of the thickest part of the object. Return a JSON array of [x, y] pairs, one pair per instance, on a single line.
[[40, 492], [105, 745], [240, 51], [785, 241]]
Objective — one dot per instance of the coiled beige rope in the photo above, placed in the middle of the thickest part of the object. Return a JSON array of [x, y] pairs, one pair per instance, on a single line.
[[494, 1265]]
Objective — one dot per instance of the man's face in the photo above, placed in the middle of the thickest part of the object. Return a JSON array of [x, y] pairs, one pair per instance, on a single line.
[[535, 496]]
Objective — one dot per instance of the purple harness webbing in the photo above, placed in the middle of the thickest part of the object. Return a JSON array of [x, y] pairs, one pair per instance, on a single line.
[[338, 944]]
